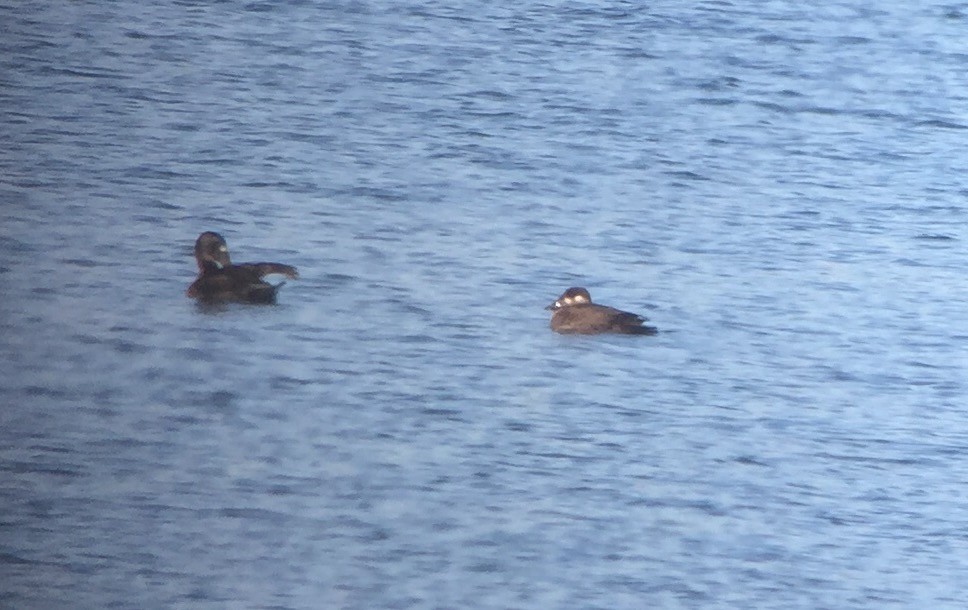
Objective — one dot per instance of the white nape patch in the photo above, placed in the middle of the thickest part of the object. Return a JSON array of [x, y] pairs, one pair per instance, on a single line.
[[580, 299], [223, 249]]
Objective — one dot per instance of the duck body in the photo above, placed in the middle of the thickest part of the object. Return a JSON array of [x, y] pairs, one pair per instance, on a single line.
[[575, 314], [219, 281]]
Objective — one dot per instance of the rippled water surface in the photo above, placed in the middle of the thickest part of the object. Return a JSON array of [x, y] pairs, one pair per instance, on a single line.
[[779, 187]]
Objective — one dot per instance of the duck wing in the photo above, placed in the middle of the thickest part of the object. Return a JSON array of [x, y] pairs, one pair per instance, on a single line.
[[264, 269]]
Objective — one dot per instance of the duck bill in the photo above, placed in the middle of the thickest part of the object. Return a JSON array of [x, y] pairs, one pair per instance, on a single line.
[[550, 307]]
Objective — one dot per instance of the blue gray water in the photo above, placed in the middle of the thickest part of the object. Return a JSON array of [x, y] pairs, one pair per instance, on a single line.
[[779, 187]]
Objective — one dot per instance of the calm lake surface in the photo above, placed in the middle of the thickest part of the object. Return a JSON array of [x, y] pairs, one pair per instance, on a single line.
[[780, 188]]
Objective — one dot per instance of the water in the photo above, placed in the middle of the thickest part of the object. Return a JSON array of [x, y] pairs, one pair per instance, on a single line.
[[778, 187]]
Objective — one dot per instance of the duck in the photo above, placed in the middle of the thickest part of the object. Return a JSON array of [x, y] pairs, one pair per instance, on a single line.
[[575, 314], [219, 281]]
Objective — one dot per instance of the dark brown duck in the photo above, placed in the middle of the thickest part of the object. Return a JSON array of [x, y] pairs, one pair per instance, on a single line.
[[219, 281], [575, 314]]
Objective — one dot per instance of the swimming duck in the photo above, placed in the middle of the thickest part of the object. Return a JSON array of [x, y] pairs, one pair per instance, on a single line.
[[574, 313], [220, 281]]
